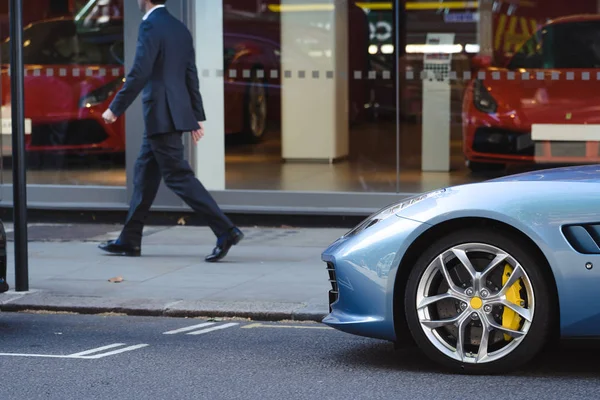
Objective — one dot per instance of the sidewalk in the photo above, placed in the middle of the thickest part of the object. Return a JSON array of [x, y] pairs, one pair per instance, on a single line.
[[273, 274]]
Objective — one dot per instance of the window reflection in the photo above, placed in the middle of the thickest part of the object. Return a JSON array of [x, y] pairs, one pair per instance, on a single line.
[[73, 56]]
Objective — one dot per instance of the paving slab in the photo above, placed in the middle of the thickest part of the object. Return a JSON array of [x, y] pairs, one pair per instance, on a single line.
[[274, 274]]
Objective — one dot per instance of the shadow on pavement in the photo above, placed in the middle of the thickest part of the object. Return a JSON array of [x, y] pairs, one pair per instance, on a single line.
[[564, 362]]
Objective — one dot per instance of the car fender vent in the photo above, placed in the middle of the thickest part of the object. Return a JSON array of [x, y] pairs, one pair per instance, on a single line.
[[583, 238], [334, 293]]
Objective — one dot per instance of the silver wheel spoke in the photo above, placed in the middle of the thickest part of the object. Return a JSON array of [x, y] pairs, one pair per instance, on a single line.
[[460, 340], [442, 322], [483, 345], [446, 275], [514, 277], [523, 312], [493, 265], [427, 301], [514, 334], [464, 260]]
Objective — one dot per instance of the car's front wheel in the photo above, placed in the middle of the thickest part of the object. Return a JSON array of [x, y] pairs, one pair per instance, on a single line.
[[477, 301]]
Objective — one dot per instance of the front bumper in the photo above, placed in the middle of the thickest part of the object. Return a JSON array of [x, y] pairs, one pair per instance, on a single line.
[[504, 145], [362, 271], [502, 141]]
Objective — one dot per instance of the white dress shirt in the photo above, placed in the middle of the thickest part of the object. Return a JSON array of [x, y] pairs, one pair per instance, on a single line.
[[152, 9]]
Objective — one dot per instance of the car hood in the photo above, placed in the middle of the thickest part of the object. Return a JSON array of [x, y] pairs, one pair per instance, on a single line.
[[62, 85], [546, 97], [562, 195]]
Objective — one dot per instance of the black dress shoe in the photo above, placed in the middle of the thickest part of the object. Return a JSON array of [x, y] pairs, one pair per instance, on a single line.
[[3, 286], [224, 243], [114, 247]]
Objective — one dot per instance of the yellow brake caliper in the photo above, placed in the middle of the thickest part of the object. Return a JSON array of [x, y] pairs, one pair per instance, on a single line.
[[510, 319]]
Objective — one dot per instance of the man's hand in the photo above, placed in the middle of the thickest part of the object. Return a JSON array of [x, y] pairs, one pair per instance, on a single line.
[[109, 117], [198, 133]]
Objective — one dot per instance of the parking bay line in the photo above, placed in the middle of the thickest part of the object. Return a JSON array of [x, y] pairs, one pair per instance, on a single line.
[[112, 353], [224, 326], [96, 350], [84, 355], [189, 328]]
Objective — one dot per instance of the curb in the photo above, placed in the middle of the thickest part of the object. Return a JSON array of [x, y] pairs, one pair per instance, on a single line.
[[271, 312]]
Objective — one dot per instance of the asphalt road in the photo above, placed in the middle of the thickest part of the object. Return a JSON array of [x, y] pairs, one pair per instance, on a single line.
[[58, 356]]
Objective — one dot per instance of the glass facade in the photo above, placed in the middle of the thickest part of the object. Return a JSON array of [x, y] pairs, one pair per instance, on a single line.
[[347, 99], [327, 121], [73, 58], [460, 109]]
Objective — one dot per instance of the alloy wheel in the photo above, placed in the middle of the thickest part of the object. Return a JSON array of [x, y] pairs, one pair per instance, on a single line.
[[475, 303]]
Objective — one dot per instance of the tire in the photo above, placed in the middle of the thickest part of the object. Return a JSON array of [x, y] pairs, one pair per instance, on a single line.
[[255, 132], [538, 300]]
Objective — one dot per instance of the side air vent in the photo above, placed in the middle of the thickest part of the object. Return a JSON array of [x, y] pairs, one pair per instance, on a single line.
[[334, 292], [583, 238]]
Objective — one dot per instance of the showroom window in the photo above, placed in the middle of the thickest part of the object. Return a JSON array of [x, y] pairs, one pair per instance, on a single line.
[[73, 56], [468, 103], [317, 109]]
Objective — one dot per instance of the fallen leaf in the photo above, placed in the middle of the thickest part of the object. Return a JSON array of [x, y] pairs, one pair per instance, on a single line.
[[116, 279]]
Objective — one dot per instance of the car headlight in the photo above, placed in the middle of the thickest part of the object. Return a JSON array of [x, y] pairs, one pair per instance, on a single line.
[[391, 210], [101, 94], [482, 99]]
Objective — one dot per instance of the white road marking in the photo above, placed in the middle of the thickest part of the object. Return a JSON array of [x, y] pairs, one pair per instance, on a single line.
[[34, 355], [225, 326], [112, 353], [83, 355], [189, 328], [110, 346]]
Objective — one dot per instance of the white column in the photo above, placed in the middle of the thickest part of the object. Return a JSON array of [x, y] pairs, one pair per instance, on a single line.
[[314, 110], [210, 151]]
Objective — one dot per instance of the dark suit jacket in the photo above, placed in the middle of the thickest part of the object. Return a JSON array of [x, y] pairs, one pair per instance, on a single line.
[[165, 68]]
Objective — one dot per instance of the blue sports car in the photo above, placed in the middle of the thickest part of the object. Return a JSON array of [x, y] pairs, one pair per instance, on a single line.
[[481, 276]]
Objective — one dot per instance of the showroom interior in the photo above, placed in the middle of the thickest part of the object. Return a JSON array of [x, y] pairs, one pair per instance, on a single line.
[[317, 106]]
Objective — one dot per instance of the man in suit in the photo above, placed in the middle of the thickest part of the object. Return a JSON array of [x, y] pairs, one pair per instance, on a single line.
[[165, 69]]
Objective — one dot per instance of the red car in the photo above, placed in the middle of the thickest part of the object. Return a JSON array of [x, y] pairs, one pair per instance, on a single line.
[[74, 71], [70, 79], [552, 79]]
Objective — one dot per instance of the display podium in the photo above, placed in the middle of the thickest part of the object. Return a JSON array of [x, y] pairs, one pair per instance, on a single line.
[[436, 113]]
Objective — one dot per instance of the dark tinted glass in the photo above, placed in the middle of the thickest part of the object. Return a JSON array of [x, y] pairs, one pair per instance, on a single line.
[[62, 42]]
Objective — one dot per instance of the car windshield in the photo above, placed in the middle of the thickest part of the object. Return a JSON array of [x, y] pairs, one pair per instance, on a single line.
[[576, 45], [62, 43]]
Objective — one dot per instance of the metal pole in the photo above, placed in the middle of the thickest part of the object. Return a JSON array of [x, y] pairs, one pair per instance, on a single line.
[[18, 145], [398, 8]]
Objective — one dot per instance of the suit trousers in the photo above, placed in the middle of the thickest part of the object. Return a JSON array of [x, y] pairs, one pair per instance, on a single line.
[[161, 156]]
